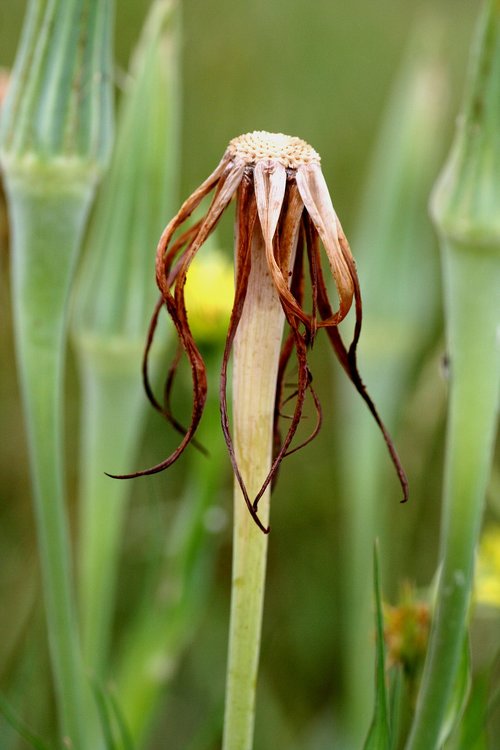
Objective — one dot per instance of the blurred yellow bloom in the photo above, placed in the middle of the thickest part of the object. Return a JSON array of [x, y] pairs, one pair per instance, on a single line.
[[406, 631], [209, 295], [487, 581]]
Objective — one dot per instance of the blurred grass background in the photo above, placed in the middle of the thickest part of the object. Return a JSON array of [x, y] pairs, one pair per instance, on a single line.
[[324, 72]]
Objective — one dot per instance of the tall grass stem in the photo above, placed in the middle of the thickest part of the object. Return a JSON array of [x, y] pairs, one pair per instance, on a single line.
[[44, 252], [55, 136], [114, 300], [465, 207]]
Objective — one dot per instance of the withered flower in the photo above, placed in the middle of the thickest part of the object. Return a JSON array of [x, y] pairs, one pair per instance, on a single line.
[[282, 206]]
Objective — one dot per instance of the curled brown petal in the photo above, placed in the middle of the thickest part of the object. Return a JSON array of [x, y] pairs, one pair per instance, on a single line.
[[165, 409], [348, 359], [185, 239], [303, 383], [226, 189], [175, 305], [187, 209], [167, 402], [297, 289], [289, 236], [177, 309], [316, 196], [317, 426], [199, 395], [145, 359]]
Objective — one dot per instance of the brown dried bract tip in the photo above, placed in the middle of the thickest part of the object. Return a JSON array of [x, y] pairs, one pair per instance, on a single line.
[[288, 150], [284, 206], [4, 83]]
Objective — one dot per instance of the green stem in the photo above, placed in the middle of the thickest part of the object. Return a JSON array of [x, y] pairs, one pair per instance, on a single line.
[[113, 304], [47, 228], [473, 340], [109, 382], [256, 355], [465, 208]]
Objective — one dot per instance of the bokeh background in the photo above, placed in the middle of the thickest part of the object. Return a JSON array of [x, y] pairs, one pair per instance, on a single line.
[[325, 71]]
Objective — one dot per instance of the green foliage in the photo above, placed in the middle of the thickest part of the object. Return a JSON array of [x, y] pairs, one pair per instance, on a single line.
[[20, 727], [322, 72], [379, 736]]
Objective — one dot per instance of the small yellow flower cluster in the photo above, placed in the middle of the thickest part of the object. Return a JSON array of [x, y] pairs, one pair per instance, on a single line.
[[406, 632], [487, 579]]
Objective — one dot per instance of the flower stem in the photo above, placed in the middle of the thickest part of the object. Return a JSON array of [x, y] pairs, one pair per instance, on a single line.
[[55, 135], [465, 207], [47, 228], [473, 408], [256, 355]]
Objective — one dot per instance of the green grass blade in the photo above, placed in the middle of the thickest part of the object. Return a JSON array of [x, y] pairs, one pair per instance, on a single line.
[[396, 698], [104, 716], [20, 727], [126, 741], [379, 736], [458, 700]]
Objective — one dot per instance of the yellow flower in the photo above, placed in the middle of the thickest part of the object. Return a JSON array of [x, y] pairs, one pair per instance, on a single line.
[[406, 632], [209, 294], [487, 579]]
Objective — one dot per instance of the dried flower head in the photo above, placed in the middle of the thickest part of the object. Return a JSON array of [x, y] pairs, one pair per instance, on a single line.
[[283, 202]]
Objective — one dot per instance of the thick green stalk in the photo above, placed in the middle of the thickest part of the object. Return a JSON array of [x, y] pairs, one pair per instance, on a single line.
[[394, 248], [256, 355], [465, 206], [46, 235], [115, 298], [473, 408], [55, 135]]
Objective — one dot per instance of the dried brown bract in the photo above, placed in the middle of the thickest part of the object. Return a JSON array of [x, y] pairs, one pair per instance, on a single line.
[[282, 202]]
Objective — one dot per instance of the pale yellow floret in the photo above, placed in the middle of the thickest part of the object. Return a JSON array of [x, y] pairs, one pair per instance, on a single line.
[[209, 294], [487, 580], [289, 151]]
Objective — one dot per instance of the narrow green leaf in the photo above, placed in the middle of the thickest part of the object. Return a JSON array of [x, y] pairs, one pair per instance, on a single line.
[[20, 727], [396, 701], [459, 696], [126, 741], [471, 734], [379, 736], [104, 716]]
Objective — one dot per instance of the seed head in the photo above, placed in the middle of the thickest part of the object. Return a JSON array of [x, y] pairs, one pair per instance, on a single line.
[[259, 145]]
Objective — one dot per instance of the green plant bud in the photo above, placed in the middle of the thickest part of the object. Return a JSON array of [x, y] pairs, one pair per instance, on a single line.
[[466, 199], [57, 119]]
